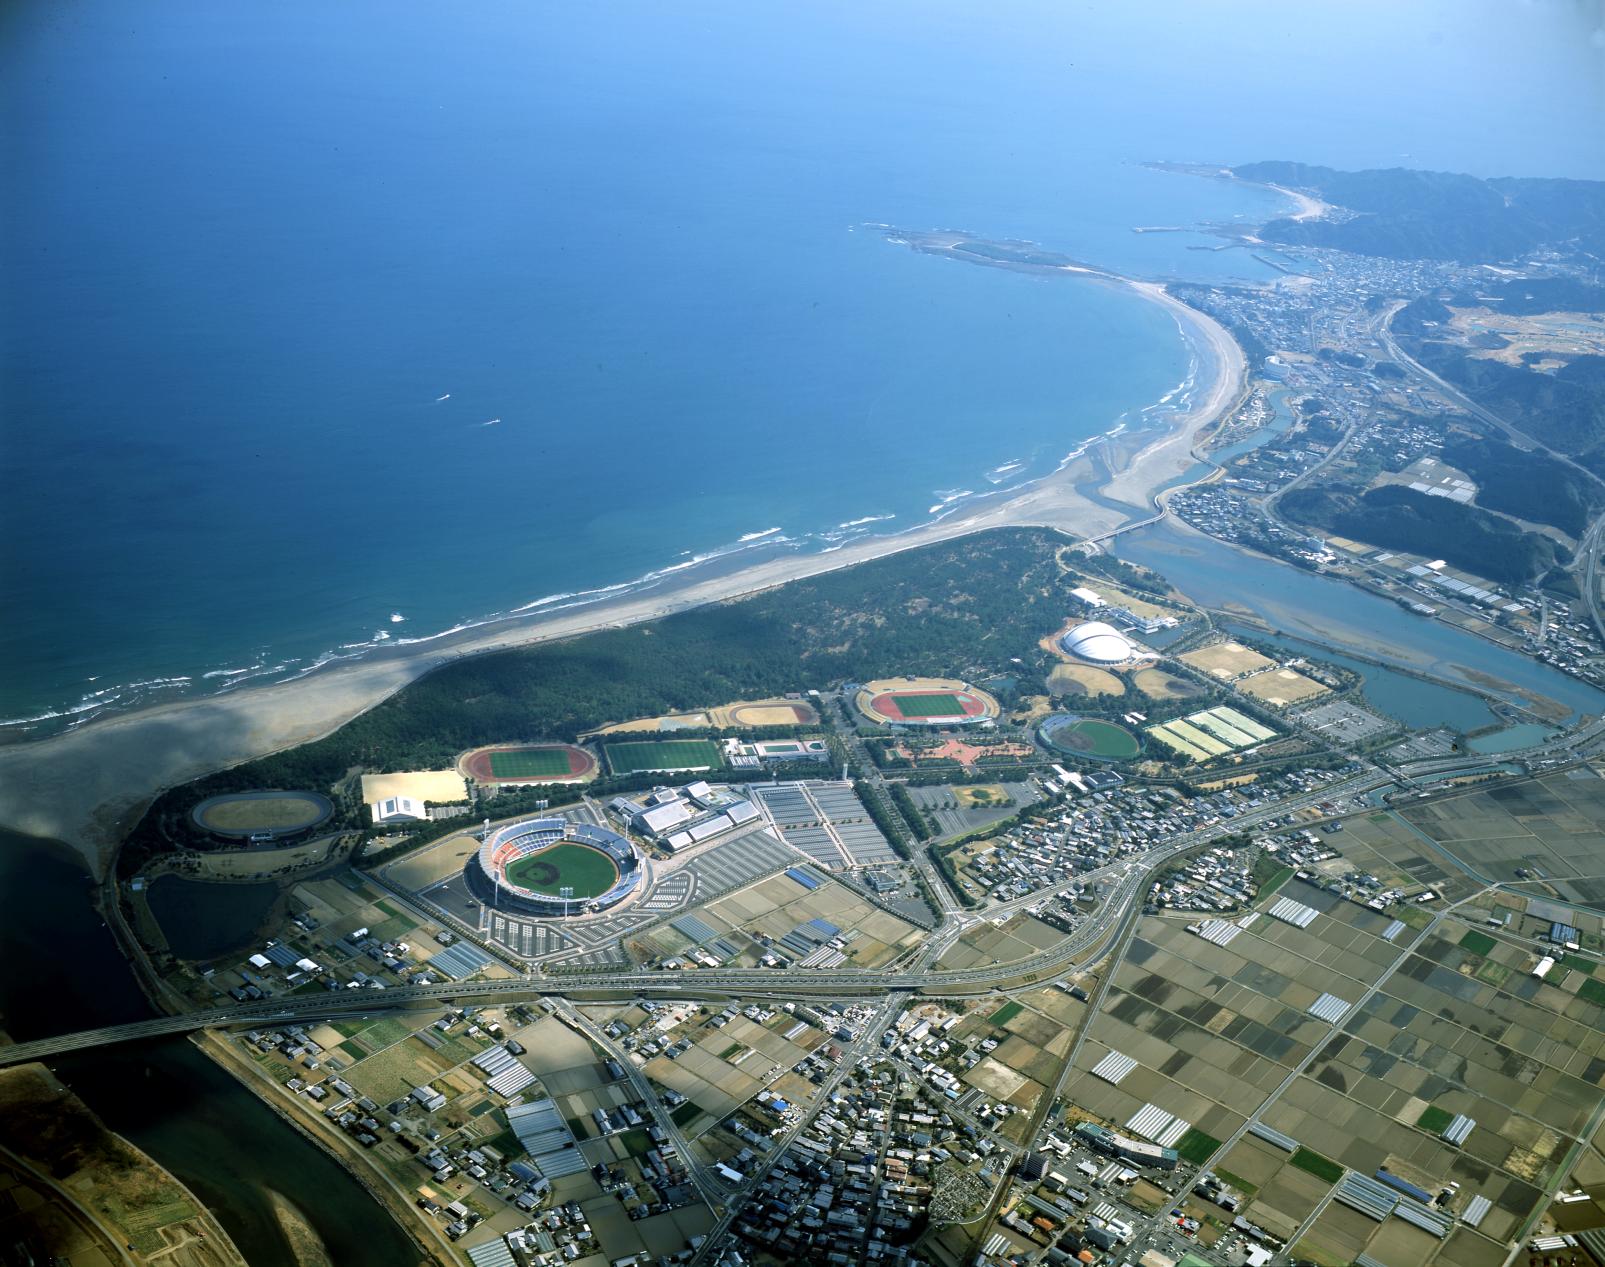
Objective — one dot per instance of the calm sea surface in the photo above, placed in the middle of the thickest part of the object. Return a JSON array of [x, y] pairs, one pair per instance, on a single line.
[[327, 315]]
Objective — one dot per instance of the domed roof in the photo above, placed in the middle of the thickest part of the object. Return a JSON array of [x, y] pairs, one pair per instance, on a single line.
[[1095, 640]]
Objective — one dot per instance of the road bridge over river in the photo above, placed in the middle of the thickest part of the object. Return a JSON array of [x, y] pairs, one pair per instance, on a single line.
[[1128, 879]]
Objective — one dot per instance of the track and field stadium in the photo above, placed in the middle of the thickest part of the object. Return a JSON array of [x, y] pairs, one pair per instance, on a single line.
[[262, 816], [525, 867], [528, 763], [924, 702], [1089, 737]]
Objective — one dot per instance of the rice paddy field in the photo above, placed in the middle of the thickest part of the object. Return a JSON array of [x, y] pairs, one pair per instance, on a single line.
[[1430, 1023]]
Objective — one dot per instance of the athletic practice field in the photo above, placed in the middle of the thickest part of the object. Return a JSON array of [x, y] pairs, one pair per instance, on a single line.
[[587, 871], [925, 701], [531, 763], [1090, 737], [666, 756], [243, 814]]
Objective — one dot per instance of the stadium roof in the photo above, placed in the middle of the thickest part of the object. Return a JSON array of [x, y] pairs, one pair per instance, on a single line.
[[1094, 640]]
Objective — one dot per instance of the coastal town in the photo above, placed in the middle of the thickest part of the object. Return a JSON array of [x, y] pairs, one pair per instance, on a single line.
[[1181, 852]]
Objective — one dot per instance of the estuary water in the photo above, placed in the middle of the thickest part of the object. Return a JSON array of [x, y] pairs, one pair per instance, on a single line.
[[64, 971], [1319, 611]]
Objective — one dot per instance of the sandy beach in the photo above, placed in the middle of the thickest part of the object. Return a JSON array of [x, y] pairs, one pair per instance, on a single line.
[[88, 786]]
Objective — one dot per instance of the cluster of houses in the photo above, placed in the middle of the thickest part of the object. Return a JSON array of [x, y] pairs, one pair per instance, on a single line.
[[853, 1185], [1096, 829]]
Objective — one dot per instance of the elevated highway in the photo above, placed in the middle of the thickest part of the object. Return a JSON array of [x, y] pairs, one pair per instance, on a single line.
[[1129, 881]]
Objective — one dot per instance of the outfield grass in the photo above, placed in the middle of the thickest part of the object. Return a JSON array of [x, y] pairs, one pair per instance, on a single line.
[[1095, 738], [529, 763], [929, 705], [587, 871], [1311, 1162], [642, 756], [1434, 1119], [1196, 1146], [1477, 943], [1006, 1013]]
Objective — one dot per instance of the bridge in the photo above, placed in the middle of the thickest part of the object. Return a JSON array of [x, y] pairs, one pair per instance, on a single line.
[[1130, 878]]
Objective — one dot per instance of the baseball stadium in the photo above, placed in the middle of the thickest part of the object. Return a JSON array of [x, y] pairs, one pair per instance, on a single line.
[[924, 702], [1089, 737], [515, 764], [527, 867]]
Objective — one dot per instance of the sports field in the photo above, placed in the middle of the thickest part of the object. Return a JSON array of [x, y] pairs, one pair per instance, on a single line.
[[928, 705], [516, 763], [663, 755], [249, 813], [1090, 737], [530, 763], [588, 872]]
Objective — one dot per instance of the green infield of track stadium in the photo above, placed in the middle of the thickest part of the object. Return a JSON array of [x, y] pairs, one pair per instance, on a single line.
[[529, 763], [929, 705], [588, 871], [667, 755]]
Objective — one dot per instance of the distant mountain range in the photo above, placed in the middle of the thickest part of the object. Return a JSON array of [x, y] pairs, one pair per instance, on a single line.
[[1403, 214]]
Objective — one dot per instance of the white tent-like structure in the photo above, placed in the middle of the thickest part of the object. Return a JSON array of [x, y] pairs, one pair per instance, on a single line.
[[1098, 642]]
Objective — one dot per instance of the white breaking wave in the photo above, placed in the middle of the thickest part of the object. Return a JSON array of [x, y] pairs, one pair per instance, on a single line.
[[757, 536], [867, 519]]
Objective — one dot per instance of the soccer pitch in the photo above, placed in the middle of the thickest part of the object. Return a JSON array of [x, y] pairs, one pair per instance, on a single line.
[[588, 872], [529, 763], [663, 754], [929, 705]]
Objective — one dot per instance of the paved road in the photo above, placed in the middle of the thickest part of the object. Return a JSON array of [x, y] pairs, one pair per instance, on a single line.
[[739, 982]]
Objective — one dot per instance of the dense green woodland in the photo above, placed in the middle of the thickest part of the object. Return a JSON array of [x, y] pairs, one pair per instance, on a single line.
[[1528, 485], [1401, 519], [1563, 408], [962, 608], [1412, 215]]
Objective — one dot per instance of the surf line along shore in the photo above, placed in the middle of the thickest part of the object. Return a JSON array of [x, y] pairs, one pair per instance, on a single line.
[[88, 786]]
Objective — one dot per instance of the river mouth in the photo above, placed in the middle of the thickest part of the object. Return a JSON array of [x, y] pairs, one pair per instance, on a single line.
[[65, 972]]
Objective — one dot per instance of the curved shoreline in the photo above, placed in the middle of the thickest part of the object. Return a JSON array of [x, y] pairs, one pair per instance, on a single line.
[[86, 786]]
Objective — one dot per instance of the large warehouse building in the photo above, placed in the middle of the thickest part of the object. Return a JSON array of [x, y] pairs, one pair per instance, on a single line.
[[1100, 643]]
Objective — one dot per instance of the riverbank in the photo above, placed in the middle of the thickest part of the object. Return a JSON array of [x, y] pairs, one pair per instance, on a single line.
[[335, 1144], [120, 1197], [88, 786]]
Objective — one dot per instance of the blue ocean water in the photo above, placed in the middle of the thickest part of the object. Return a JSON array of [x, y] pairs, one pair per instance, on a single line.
[[332, 325]]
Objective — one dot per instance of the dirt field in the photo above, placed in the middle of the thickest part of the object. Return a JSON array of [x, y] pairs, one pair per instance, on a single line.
[[1280, 687], [1157, 684], [1083, 679], [740, 715], [1227, 660], [441, 786]]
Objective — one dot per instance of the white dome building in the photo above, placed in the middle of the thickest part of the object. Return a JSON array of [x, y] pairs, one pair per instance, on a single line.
[[1098, 642]]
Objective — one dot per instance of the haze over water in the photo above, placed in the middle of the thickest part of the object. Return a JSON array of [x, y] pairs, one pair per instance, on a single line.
[[247, 251]]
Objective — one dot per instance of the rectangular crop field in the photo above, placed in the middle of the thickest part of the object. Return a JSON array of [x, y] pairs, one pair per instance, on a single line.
[[1196, 1146], [1006, 1013], [667, 755], [929, 705], [529, 763], [1310, 1161], [1477, 943]]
